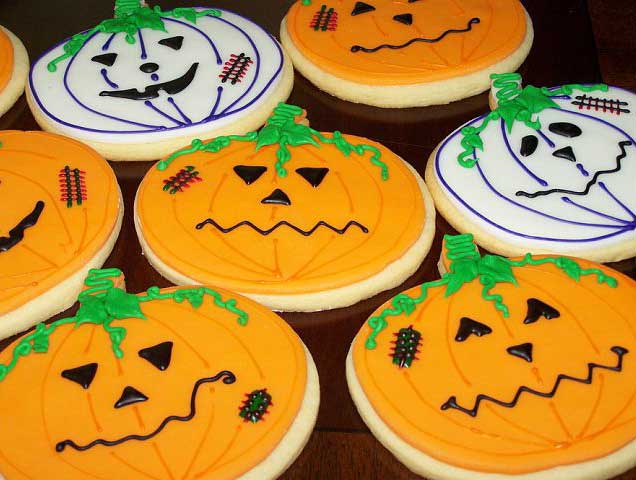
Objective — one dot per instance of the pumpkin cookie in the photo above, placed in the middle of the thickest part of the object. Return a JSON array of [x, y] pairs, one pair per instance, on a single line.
[[503, 369], [549, 170], [61, 214], [147, 82], [14, 66], [293, 218], [188, 383], [405, 54]]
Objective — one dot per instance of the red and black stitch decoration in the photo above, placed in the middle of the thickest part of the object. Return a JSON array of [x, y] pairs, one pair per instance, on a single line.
[[325, 20], [72, 186], [235, 68], [406, 347], [183, 179], [255, 405], [606, 105]]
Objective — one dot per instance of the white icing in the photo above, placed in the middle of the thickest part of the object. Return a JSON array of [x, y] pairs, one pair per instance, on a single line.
[[196, 101], [595, 149]]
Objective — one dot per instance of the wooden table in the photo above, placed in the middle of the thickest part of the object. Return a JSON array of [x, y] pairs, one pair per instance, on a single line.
[[576, 41]]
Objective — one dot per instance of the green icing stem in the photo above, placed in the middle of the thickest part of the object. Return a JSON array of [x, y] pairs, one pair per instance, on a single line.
[[130, 17], [514, 105], [102, 304], [468, 265], [282, 130], [306, 2]]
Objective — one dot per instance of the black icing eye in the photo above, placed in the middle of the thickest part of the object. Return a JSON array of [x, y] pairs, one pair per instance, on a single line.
[[173, 42], [249, 174], [538, 309], [405, 18], [413, 1], [159, 355], [529, 145], [565, 129], [523, 351], [107, 59], [314, 176], [83, 375], [565, 152], [468, 327], [361, 7]]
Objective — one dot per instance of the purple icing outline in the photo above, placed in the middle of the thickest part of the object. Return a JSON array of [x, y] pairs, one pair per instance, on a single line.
[[531, 174], [144, 54], [627, 228], [154, 128], [106, 45]]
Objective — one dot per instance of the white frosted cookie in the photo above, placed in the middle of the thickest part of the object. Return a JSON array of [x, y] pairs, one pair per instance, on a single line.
[[547, 171], [147, 82], [61, 215], [14, 66], [188, 383], [503, 369], [405, 54], [296, 219]]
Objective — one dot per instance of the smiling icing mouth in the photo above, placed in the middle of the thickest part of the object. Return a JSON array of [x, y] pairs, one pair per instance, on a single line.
[[617, 350], [225, 375], [171, 87], [306, 233]]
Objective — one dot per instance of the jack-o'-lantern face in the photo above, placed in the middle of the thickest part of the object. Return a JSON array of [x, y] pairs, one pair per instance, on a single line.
[[242, 218], [394, 42], [203, 391], [521, 367], [61, 207], [6, 59]]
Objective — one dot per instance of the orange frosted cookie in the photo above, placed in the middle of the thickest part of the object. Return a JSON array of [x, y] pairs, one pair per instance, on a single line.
[[504, 368], [14, 66], [405, 53], [61, 214], [188, 383], [294, 218]]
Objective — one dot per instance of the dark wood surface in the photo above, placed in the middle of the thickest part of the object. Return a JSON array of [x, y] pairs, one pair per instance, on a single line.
[[576, 41]]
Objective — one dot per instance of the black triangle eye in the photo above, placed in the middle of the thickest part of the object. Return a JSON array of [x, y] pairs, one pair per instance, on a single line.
[[173, 42], [538, 309], [249, 174], [83, 375], [159, 355], [405, 18], [565, 129], [361, 7], [314, 176], [529, 145], [107, 59], [468, 327]]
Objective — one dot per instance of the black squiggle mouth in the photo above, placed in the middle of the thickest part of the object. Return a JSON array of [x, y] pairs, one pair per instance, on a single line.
[[228, 378], [171, 87], [16, 234], [619, 351], [469, 27], [306, 233]]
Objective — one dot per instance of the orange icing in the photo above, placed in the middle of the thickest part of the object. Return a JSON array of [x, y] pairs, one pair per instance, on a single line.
[[580, 423], [63, 239], [6, 59], [216, 443], [501, 31], [285, 261]]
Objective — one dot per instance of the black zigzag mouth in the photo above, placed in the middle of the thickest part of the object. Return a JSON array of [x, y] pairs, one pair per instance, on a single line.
[[451, 403], [283, 223]]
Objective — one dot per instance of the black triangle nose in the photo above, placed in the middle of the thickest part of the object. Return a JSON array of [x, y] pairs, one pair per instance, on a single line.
[[277, 197], [130, 396]]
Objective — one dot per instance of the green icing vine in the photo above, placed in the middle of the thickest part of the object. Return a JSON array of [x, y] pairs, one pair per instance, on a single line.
[[514, 105], [306, 2], [102, 304], [468, 265], [282, 130], [130, 17]]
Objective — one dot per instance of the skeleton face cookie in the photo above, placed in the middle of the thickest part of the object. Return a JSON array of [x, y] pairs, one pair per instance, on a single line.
[[295, 218], [549, 170], [151, 76]]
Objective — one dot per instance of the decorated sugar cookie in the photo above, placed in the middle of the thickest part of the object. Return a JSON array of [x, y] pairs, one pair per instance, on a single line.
[[548, 170], [14, 66], [504, 368], [61, 214], [297, 219], [148, 81], [188, 383], [391, 53]]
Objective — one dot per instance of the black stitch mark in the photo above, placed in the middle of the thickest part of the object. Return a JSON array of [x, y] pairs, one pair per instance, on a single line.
[[72, 186], [324, 20], [183, 179], [604, 104], [235, 68]]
